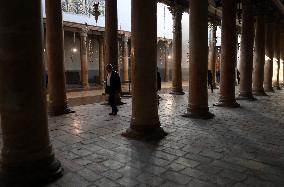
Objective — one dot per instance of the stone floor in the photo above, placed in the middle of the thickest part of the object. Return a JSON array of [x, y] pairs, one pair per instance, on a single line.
[[239, 147]]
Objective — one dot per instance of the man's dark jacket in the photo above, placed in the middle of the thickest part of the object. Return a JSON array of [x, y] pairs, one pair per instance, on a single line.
[[115, 85]]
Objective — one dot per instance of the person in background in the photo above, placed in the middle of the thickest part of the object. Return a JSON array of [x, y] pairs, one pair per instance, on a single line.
[[159, 83], [113, 87], [210, 80], [159, 80], [238, 76]]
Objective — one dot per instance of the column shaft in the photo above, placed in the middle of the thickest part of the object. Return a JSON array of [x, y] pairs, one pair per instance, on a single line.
[[269, 51], [111, 43], [125, 59], [277, 54], [212, 54], [55, 58], [198, 60], [145, 124], [246, 55], [167, 68], [282, 53], [27, 158], [259, 60], [177, 51], [102, 61], [84, 59], [228, 55]]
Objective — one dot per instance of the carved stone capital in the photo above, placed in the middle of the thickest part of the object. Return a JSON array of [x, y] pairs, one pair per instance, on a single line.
[[84, 32], [176, 11]]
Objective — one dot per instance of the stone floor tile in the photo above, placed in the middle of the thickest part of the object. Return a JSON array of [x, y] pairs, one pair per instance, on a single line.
[[104, 182], [112, 164], [89, 175], [187, 162], [127, 182], [238, 147], [199, 183], [72, 180], [129, 171], [150, 179], [176, 167], [177, 177]]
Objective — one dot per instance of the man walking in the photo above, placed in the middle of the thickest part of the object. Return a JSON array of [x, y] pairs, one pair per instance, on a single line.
[[113, 87], [210, 80]]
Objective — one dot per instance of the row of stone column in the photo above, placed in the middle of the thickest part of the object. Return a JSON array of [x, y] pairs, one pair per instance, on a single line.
[[102, 75], [27, 156]]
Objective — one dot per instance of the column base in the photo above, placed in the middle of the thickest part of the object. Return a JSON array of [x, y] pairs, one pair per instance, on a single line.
[[145, 132], [278, 88], [227, 103], [85, 87], [259, 93], [248, 97], [175, 92], [33, 174], [270, 89], [57, 111], [207, 115]]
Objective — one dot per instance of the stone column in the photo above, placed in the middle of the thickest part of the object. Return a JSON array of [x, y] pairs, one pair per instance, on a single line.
[[84, 59], [277, 54], [198, 61], [167, 70], [269, 49], [259, 60], [101, 60], [246, 54], [282, 51], [177, 51], [125, 59], [111, 42], [212, 54], [27, 158], [55, 59], [228, 55], [145, 124]]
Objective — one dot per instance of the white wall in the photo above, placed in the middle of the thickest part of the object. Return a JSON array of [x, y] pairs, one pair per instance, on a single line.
[[164, 26]]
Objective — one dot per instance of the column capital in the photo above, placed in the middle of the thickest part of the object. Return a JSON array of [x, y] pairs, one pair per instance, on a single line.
[[247, 3], [212, 25], [125, 38], [176, 11], [84, 31]]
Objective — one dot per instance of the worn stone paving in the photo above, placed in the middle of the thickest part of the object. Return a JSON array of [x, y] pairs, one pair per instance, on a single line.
[[239, 147]]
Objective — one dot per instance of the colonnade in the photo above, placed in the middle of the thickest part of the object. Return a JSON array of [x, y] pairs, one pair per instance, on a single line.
[[30, 159]]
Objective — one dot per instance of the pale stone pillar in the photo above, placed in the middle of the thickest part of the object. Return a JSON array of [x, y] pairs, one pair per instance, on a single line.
[[282, 51], [27, 158], [145, 123], [198, 61], [167, 68], [177, 51], [125, 59], [55, 59], [259, 60], [212, 54], [246, 54], [101, 60], [111, 42], [84, 59], [228, 55], [269, 51], [277, 54]]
